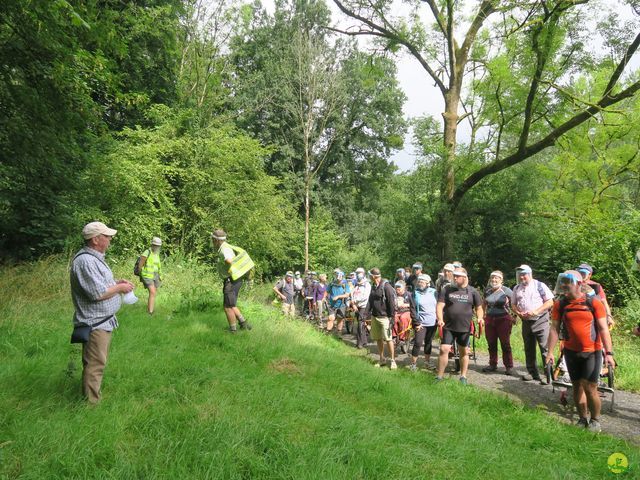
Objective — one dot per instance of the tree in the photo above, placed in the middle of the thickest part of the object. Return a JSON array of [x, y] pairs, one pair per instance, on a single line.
[[331, 112], [539, 36]]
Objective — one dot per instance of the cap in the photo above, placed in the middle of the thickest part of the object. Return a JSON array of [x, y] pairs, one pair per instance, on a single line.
[[417, 265], [374, 272], [456, 264], [94, 229], [352, 274], [449, 267], [297, 273], [586, 267], [289, 274], [360, 270], [219, 234], [400, 283], [156, 241], [523, 269], [459, 272], [496, 273], [425, 277]]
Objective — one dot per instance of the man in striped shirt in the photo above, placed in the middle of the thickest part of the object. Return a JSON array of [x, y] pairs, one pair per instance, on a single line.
[[96, 299]]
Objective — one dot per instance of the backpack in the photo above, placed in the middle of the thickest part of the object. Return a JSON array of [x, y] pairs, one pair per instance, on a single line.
[[562, 310], [384, 294], [137, 270]]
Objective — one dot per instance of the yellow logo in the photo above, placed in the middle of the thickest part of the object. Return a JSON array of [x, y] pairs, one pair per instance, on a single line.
[[618, 463]]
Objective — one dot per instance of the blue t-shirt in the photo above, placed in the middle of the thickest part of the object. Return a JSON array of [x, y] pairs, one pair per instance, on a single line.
[[334, 290], [426, 306]]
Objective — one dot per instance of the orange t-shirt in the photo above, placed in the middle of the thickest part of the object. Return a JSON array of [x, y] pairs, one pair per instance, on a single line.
[[580, 324]]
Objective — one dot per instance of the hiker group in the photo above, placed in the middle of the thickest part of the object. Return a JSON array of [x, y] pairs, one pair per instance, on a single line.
[[406, 313], [403, 314]]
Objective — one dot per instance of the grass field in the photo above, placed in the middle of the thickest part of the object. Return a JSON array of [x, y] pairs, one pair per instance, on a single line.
[[184, 399]]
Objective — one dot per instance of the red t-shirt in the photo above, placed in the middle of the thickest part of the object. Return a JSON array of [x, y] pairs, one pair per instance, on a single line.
[[580, 324]]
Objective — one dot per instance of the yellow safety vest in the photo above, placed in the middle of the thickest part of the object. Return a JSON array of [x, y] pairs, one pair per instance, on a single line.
[[152, 265], [240, 264]]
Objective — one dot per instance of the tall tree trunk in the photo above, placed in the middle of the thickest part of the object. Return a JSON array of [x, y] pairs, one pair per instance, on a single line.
[[447, 219], [307, 192]]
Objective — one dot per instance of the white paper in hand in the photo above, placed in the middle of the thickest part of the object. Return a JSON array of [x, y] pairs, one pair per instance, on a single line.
[[129, 298]]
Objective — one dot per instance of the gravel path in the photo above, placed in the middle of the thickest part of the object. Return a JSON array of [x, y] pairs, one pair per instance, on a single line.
[[623, 421]]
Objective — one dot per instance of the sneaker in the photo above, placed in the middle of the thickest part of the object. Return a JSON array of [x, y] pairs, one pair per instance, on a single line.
[[582, 422], [393, 365], [489, 368], [510, 372], [245, 325], [543, 381], [232, 329], [463, 381], [527, 377], [594, 426], [439, 379], [413, 367]]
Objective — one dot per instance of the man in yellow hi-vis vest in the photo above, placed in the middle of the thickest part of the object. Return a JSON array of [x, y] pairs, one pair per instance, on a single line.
[[233, 264]]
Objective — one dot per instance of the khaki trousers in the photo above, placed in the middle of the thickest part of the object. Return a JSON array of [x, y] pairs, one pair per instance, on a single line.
[[289, 309], [94, 359]]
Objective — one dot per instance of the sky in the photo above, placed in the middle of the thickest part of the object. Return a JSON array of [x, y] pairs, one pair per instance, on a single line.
[[423, 98]]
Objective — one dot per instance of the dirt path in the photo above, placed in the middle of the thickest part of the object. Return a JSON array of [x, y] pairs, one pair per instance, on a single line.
[[623, 421]]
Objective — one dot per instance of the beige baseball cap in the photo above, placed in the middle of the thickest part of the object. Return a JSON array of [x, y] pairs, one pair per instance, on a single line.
[[156, 241], [94, 229]]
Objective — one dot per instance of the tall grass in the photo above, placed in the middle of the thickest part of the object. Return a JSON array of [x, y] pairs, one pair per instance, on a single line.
[[184, 399]]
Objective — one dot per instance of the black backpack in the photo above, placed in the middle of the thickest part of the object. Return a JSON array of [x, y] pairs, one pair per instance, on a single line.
[[136, 267]]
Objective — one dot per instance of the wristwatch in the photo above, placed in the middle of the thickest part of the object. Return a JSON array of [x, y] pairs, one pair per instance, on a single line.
[[610, 353]]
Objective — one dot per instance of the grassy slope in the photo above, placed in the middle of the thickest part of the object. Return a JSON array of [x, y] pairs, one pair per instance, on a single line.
[[184, 399]]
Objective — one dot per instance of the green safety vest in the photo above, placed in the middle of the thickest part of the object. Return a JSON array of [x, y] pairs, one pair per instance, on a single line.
[[240, 264], [152, 265]]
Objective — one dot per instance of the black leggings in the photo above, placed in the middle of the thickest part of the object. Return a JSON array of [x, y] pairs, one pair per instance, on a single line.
[[424, 336]]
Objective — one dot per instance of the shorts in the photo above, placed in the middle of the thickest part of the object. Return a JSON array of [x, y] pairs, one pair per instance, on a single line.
[[461, 338], [155, 281], [583, 365], [380, 329], [340, 312], [230, 290]]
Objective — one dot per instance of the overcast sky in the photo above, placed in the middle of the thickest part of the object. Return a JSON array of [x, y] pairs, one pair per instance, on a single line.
[[422, 96]]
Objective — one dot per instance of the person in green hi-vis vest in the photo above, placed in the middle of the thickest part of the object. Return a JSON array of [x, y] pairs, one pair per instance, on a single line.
[[233, 265], [151, 271]]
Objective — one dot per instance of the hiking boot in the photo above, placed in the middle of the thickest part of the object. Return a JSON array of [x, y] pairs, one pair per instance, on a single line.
[[527, 377], [582, 422], [543, 381], [245, 325], [232, 329], [594, 426], [394, 365], [413, 367], [510, 372], [463, 381], [489, 368]]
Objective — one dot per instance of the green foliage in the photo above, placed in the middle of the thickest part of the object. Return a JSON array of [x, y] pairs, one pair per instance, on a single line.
[[70, 71]]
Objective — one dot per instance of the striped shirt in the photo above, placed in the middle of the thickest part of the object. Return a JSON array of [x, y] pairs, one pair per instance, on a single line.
[[90, 278]]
